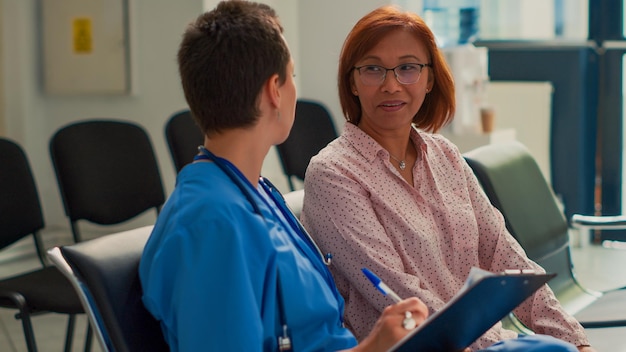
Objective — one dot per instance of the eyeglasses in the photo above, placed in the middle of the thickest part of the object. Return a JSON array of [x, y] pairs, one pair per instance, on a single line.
[[373, 75]]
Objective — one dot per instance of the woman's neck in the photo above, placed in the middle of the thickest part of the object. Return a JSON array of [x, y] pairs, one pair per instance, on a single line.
[[240, 147], [396, 142]]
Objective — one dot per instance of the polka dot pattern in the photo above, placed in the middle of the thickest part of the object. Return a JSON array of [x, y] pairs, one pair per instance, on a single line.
[[421, 239]]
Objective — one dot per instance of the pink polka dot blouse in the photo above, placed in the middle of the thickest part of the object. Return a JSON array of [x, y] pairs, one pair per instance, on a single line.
[[420, 239]]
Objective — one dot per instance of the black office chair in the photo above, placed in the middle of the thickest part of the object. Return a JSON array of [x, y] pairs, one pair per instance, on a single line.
[[38, 291], [515, 185], [312, 130], [104, 272], [183, 137], [107, 172]]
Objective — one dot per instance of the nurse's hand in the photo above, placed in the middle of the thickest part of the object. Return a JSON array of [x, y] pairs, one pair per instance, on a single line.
[[390, 327]]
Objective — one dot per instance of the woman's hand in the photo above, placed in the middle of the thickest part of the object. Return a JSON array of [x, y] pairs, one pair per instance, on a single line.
[[586, 349], [389, 328]]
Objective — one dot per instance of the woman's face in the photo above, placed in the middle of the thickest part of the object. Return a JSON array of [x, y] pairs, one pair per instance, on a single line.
[[392, 105]]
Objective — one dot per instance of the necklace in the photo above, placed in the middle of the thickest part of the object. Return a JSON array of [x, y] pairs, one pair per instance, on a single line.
[[401, 163]]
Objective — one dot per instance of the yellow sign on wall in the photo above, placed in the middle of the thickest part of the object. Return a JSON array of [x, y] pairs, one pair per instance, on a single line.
[[82, 35], [86, 48]]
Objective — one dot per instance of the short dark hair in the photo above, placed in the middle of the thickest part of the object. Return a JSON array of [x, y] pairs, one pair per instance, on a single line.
[[438, 107], [225, 57]]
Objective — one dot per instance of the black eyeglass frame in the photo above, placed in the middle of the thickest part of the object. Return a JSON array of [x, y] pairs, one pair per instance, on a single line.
[[421, 66]]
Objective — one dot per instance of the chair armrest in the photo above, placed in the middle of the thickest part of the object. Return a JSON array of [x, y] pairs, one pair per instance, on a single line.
[[617, 222]]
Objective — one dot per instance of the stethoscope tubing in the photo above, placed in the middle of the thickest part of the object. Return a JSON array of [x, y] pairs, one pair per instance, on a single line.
[[247, 189]]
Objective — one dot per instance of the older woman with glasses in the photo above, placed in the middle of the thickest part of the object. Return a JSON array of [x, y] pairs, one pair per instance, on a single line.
[[391, 195]]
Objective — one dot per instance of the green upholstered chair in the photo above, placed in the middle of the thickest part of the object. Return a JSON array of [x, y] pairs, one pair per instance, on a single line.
[[515, 185]]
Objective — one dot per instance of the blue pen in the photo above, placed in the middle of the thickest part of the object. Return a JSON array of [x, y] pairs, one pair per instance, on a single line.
[[408, 323], [380, 285]]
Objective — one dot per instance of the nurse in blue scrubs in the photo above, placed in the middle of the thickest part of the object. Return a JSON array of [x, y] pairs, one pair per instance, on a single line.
[[228, 267]]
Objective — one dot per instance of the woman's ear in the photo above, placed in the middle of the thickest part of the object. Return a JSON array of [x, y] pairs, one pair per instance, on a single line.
[[272, 87], [430, 84]]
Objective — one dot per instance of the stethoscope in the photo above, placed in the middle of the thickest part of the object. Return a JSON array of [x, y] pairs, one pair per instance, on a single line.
[[248, 190]]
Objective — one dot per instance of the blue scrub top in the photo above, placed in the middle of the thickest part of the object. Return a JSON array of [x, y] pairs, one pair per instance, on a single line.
[[209, 272]]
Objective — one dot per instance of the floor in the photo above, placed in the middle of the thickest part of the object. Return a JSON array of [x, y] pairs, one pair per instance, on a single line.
[[597, 267]]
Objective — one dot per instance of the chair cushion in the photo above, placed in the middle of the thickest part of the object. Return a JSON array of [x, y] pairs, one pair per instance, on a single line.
[[606, 309], [46, 289]]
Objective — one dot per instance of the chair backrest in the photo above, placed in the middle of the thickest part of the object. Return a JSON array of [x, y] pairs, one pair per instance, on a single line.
[[107, 171], [183, 137], [295, 201], [20, 207], [312, 130], [104, 272], [513, 181]]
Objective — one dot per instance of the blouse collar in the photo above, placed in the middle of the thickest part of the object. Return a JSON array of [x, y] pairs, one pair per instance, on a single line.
[[370, 149]]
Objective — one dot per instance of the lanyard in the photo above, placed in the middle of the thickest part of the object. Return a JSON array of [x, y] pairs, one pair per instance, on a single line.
[[292, 220]]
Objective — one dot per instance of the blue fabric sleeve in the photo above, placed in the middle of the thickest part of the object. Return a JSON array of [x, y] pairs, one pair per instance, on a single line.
[[218, 282], [531, 343]]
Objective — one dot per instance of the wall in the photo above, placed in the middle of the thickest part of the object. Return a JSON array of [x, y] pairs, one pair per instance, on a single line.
[[523, 112], [32, 117], [315, 31], [156, 26], [324, 25]]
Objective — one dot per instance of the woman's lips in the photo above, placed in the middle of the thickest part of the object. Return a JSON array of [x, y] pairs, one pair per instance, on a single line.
[[391, 105]]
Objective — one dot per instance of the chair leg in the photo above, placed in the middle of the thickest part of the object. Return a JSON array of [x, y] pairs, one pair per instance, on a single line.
[[24, 315], [88, 338], [69, 334], [290, 182], [29, 335], [75, 232]]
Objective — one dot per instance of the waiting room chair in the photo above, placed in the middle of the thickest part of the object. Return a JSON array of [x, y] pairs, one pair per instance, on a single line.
[[295, 201], [41, 290], [312, 130], [104, 272], [515, 185], [107, 172], [183, 137]]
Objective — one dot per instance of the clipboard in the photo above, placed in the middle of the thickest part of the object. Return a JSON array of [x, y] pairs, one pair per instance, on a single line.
[[474, 310]]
